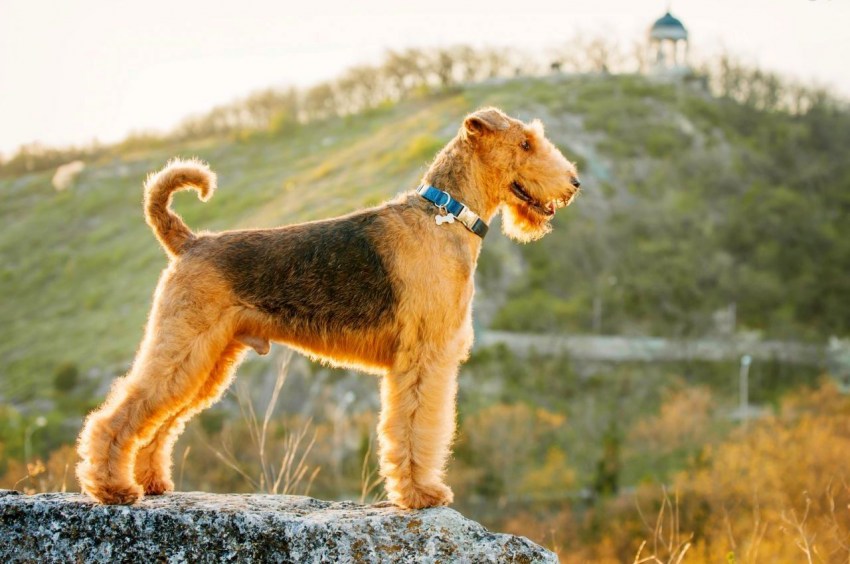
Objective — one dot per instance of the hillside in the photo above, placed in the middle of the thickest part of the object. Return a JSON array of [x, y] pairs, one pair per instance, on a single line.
[[691, 203], [718, 216]]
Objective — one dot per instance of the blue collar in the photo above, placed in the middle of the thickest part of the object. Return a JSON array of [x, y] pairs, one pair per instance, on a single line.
[[452, 210]]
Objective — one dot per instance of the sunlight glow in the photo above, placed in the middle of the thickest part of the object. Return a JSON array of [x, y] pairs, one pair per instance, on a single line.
[[73, 72]]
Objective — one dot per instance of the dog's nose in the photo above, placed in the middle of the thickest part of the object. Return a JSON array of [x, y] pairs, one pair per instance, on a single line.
[[575, 181]]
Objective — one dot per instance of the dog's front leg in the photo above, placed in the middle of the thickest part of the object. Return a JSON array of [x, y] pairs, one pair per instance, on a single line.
[[416, 428]]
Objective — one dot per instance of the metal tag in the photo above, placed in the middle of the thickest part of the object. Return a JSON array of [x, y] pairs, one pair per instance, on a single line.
[[441, 219]]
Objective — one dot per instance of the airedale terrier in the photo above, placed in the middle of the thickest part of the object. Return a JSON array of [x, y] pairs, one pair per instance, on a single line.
[[386, 290]]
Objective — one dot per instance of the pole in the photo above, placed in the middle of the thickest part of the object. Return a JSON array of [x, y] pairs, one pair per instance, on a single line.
[[744, 387]]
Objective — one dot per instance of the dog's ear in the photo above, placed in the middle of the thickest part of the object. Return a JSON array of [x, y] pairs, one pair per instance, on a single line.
[[537, 127], [485, 119]]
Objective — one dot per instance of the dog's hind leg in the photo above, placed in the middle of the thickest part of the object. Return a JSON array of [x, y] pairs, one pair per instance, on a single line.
[[154, 460], [180, 349], [417, 425]]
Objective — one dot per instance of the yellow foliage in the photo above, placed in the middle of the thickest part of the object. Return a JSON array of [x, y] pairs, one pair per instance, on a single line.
[[511, 439], [778, 490], [554, 475], [684, 419]]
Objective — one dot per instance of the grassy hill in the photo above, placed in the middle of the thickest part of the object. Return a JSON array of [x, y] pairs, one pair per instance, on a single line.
[[79, 266], [691, 203]]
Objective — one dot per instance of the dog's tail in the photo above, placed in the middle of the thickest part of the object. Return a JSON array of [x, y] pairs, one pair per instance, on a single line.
[[177, 175]]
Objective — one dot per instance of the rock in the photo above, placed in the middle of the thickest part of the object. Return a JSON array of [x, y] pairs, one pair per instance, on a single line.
[[201, 527], [66, 175]]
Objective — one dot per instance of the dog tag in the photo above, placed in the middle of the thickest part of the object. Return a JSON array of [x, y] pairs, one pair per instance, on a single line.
[[441, 219]]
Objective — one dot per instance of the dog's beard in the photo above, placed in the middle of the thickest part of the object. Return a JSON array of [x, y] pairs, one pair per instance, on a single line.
[[524, 225]]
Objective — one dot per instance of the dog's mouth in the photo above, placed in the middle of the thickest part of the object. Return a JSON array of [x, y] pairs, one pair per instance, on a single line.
[[545, 209]]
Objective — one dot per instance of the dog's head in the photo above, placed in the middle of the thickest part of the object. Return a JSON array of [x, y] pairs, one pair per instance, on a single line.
[[526, 174]]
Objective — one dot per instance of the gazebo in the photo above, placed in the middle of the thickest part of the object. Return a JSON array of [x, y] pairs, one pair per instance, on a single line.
[[668, 45]]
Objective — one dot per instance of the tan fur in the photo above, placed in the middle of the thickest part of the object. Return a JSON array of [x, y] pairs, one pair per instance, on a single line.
[[206, 311], [159, 188]]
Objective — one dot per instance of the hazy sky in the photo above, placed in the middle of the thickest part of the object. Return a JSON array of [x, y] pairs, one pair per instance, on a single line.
[[71, 71]]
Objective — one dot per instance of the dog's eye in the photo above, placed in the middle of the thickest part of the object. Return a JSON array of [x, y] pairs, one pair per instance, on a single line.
[[526, 146]]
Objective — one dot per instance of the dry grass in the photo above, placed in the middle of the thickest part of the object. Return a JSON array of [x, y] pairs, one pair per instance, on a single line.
[[286, 472], [669, 545], [370, 479], [56, 474]]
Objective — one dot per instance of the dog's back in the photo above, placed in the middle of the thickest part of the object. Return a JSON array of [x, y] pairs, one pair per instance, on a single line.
[[323, 275]]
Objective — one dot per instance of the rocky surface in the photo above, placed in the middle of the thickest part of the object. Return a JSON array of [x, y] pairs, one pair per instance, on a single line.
[[199, 527]]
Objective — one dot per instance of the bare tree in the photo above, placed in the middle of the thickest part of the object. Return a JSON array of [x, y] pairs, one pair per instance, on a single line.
[[320, 102], [360, 88]]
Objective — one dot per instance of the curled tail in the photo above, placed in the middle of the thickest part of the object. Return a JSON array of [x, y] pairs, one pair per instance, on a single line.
[[177, 175]]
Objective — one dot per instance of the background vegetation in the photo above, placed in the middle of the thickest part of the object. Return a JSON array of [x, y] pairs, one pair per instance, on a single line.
[[724, 194]]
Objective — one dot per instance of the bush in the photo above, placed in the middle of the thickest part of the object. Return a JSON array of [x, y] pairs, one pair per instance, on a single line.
[[66, 377]]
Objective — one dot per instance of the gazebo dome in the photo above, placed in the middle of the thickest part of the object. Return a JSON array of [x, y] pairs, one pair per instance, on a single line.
[[668, 27]]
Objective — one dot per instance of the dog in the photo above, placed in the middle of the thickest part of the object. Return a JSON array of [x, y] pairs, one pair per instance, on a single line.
[[386, 290]]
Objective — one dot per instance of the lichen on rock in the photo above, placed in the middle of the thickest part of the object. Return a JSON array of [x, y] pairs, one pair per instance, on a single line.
[[201, 527]]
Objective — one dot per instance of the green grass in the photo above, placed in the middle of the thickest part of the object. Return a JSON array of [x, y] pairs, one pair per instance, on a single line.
[[78, 268]]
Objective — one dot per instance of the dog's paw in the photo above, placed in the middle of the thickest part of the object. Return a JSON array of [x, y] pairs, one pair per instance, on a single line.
[[156, 485], [153, 479], [422, 496], [117, 495]]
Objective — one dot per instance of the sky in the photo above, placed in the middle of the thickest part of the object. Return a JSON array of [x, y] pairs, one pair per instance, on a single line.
[[75, 71]]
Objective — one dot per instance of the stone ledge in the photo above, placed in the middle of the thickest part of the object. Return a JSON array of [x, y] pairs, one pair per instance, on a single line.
[[202, 527]]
